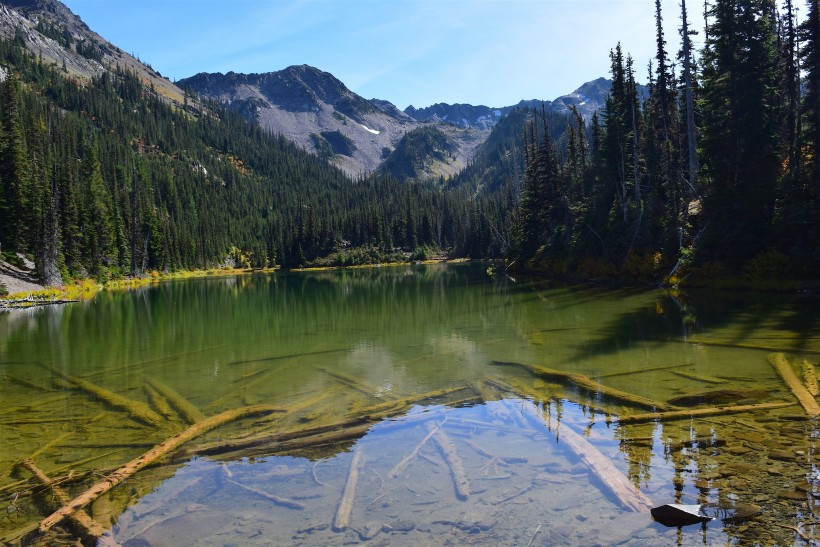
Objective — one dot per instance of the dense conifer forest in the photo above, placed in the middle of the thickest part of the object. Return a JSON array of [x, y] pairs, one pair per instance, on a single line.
[[107, 179], [713, 174]]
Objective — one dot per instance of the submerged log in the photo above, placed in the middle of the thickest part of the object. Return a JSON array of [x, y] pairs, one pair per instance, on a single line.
[[490, 456], [692, 413], [159, 403], [186, 410], [138, 410], [357, 384], [323, 439], [342, 518], [642, 370], [784, 369], [147, 458], [602, 467], [397, 405], [590, 385], [88, 529], [810, 378], [739, 345], [284, 502], [719, 397], [353, 425], [450, 454], [700, 377], [289, 356], [409, 457]]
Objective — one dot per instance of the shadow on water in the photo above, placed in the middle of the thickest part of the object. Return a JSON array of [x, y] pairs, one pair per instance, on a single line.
[[770, 322]]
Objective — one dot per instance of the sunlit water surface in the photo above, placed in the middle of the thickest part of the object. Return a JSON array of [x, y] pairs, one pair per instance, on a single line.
[[478, 456]]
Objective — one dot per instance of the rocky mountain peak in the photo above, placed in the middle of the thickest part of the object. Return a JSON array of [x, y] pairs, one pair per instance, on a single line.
[[53, 32]]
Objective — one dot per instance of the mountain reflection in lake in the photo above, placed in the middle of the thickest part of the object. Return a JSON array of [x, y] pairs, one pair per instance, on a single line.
[[412, 412]]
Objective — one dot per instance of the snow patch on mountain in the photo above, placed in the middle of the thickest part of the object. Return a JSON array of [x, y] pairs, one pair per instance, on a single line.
[[370, 130]]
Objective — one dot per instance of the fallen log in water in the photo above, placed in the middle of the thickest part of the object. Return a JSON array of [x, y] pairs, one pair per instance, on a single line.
[[87, 529], [692, 413], [810, 378], [409, 457], [396, 405], [365, 388], [146, 459], [448, 451], [602, 467], [588, 384], [289, 356], [159, 403], [784, 369], [739, 345], [138, 410], [642, 370], [187, 411], [284, 502], [340, 430], [342, 518], [327, 433], [700, 378]]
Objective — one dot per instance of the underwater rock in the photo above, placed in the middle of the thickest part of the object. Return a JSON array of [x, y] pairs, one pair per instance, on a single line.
[[674, 514]]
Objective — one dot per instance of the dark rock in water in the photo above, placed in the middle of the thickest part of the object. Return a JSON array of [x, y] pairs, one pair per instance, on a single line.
[[782, 455], [719, 397], [673, 514]]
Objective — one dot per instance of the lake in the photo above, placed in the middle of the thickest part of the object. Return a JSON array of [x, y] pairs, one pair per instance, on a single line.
[[426, 404]]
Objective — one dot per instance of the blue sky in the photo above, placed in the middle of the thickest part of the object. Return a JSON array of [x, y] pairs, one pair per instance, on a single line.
[[419, 52]]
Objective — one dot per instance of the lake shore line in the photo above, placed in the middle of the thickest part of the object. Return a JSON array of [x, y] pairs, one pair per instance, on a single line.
[[35, 295]]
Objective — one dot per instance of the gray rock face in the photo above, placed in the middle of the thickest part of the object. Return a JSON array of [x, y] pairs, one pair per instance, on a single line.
[[308, 106], [85, 55]]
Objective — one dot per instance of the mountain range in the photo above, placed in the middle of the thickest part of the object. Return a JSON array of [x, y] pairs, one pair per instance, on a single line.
[[317, 111], [308, 106]]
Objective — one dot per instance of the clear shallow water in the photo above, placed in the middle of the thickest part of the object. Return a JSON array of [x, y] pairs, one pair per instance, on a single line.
[[331, 345]]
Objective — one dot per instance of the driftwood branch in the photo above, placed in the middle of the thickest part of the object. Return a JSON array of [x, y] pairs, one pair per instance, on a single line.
[[784, 369], [409, 457], [147, 458], [642, 370], [88, 529], [284, 502], [700, 378], [342, 518]]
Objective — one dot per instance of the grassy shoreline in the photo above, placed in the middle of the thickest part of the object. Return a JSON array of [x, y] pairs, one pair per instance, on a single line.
[[86, 289]]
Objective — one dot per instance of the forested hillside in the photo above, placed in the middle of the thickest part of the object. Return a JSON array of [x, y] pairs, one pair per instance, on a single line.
[[104, 178], [714, 175], [711, 173]]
